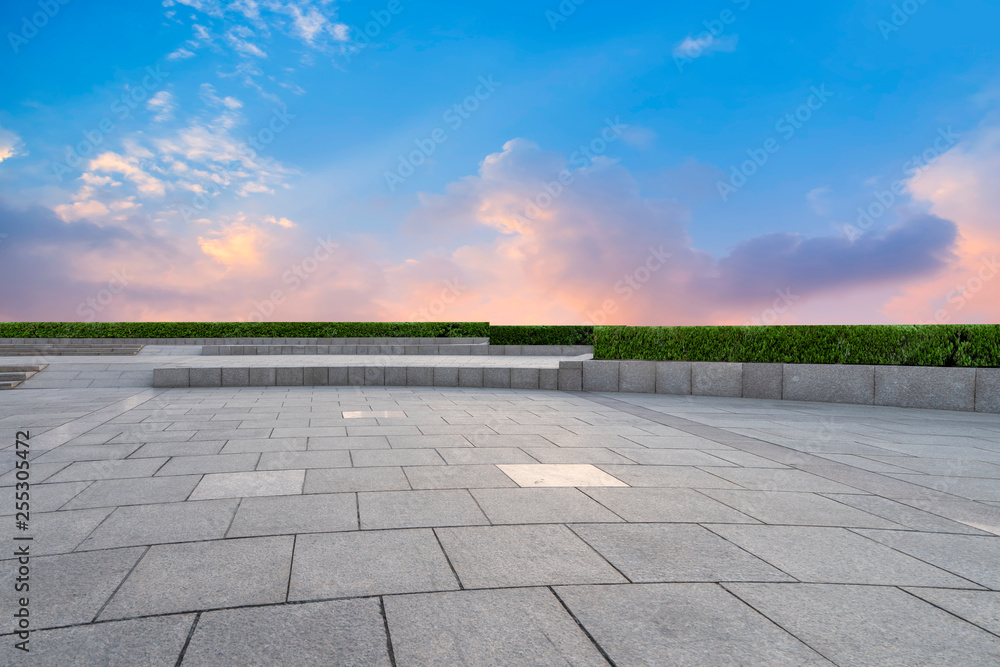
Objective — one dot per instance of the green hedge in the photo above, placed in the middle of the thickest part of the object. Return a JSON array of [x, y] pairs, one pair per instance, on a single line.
[[541, 335], [901, 345], [243, 329]]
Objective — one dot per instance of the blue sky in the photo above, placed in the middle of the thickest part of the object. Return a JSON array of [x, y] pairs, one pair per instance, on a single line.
[[124, 126]]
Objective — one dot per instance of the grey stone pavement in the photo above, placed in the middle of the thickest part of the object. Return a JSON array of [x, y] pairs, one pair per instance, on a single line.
[[448, 526]]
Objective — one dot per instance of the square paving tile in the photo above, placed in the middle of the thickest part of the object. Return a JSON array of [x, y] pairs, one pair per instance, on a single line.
[[558, 474], [682, 624], [681, 552], [140, 525], [499, 627], [139, 491], [540, 506], [970, 556], [220, 573], [414, 509], [342, 632], [248, 484], [284, 515], [457, 477], [871, 625], [503, 556], [70, 588], [835, 556], [675, 505], [339, 480], [790, 507], [335, 565], [144, 641]]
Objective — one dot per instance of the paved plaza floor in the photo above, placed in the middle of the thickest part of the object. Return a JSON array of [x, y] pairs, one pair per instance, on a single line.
[[448, 526]]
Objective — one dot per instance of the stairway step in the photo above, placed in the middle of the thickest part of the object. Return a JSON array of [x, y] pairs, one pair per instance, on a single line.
[[8, 385]]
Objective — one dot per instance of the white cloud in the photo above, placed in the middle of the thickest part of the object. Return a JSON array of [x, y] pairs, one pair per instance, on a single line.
[[281, 222], [114, 163], [819, 200], [81, 209], [162, 104], [10, 145], [695, 47]]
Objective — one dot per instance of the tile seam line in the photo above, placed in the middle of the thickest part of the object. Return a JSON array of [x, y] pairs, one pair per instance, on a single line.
[[904, 589], [116, 408], [640, 411]]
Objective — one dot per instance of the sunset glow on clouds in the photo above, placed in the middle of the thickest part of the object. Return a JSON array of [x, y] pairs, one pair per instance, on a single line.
[[227, 162]]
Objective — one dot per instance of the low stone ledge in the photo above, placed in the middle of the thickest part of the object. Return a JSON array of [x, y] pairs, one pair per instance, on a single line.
[[926, 387], [828, 383], [721, 379]]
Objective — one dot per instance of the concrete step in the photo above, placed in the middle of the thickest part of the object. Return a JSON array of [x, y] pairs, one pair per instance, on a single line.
[[11, 376], [68, 350], [8, 385], [14, 377]]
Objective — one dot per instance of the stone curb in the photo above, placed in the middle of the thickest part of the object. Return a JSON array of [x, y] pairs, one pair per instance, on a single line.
[[966, 389]]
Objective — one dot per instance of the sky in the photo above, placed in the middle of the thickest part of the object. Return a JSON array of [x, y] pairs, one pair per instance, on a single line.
[[728, 162]]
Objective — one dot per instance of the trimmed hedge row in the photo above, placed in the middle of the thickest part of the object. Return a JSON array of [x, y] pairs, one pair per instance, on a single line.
[[244, 329], [899, 345], [541, 335]]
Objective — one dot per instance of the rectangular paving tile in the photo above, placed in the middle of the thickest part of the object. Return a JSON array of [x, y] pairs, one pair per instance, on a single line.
[[504, 556], [457, 477], [69, 588], [402, 457], [427, 441], [904, 515], [171, 522], [340, 632], [413, 509], [678, 552], [976, 558], [112, 469], [682, 624], [61, 532], [243, 445], [303, 460], [666, 476], [283, 515], [761, 479], [349, 442], [981, 608], [670, 457], [795, 508], [575, 455], [457, 456], [220, 573], [336, 480], [558, 474], [675, 505], [871, 625], [200, 448], [249, 484], [498, 627], [138, 491], [144, 641], [198, 465], [355, 564], [540, 506], [835, 556], [88, 453], [485, 440]]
